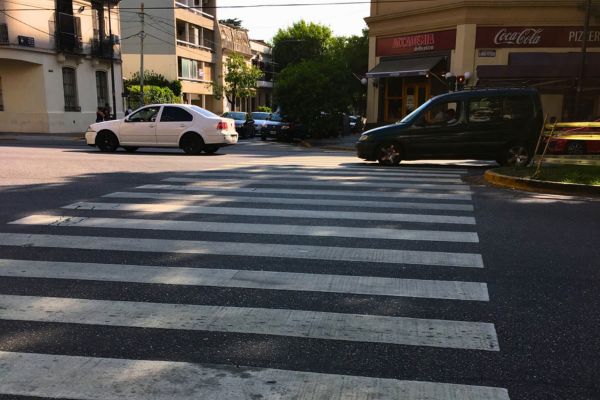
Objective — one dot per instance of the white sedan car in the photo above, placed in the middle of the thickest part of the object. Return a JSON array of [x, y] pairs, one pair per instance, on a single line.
[[183, 126]]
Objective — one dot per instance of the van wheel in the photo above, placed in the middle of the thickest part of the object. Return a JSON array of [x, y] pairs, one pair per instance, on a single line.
[[389, 154], [515, 156], [191, 143], [576, 148], [107, 142]]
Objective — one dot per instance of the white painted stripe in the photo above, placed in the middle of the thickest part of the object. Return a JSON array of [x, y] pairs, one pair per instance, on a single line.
[[278, 213], [232, 278], [413, 194], [260, 229], [320, 177], [291, 163], [285, 182], [90, 378], [318, 171], [245, 249], [216, 199], [259, 321]]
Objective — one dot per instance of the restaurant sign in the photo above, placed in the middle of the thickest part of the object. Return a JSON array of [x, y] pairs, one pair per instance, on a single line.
[[422, 42], [535, 36]]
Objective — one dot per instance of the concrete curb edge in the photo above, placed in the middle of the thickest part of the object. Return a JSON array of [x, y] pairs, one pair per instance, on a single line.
[[506, 181]]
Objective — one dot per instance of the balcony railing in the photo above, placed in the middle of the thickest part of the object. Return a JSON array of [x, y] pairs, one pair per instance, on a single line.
[[104, 49], [68, 34], [194, 10]]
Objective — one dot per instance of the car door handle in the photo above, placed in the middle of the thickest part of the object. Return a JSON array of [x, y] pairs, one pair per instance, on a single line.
[[182, 126], [152, 126]]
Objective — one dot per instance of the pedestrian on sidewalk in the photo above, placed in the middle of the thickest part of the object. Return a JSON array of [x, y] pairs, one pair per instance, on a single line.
[[107, 112], [99, 114]]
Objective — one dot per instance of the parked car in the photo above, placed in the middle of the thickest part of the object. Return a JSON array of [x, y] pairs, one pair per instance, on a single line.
[[498, 124], [573, 146], [280, 127], [261, 120], [244, 125], [356, 123], [188, 127]]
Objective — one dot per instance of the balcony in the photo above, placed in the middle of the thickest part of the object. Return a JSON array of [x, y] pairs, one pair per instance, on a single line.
[[191, 6], [68, 34], [105, 48]]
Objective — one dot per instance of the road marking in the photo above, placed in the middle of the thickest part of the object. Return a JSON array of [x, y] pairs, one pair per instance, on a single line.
[[232, 278], [385, 256], [320, 177], [307, 192], [261, 229], [211, 198], [249, 320], [278, 213], [316, 171], [296, 164], [92, 378], [284, 182]]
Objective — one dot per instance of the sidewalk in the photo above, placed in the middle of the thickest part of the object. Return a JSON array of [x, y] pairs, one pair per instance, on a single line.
[[40, 138]]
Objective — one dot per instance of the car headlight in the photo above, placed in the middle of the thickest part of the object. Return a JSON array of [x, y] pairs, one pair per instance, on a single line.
[[364, 138], [285, 127]]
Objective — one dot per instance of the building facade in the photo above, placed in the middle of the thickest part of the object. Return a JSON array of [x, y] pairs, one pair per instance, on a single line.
[[262, 58], [414, 45], [57, 62], [180, 42]]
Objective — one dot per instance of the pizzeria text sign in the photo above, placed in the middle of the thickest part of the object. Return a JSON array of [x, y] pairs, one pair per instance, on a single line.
[[422, 42], [535, 36]]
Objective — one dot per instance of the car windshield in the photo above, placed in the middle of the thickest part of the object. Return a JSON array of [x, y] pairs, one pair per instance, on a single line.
[[416, 112], [276, 117], [240, 116], [260, 115], [203, 112]]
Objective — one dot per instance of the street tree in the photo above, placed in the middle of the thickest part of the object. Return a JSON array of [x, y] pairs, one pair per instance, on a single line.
[[152, 95], [241, 80], [301, 41], [232, 22], [152, 78]]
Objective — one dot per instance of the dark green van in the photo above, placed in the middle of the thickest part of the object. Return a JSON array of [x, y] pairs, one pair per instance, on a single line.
[[495, 124]]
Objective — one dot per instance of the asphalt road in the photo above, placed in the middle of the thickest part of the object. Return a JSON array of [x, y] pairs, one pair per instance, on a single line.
[[277, 272]]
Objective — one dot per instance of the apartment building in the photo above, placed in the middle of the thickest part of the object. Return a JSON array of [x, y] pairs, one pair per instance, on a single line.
[[412, 45], [179, 43], [262, 58], [57, 60]]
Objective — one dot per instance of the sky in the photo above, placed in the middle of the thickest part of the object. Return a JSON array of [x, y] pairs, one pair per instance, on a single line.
[[263, 22]]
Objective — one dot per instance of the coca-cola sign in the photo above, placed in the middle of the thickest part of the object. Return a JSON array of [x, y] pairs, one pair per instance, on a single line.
[[418, 43], [535, 36]]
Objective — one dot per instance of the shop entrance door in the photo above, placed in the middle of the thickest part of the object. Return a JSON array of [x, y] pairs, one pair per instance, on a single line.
[[415, 94]]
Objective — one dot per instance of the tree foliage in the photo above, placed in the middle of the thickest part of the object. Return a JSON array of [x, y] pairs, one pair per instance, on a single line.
[[232, 22], [316, 90], [301, 41], [241, 79], [152, 78], [152, 95]]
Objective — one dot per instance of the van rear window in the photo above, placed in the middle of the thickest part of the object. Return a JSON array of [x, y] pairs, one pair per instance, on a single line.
[[494, 109]]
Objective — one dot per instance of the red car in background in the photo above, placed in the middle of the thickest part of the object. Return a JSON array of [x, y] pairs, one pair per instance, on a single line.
[[574, 146]]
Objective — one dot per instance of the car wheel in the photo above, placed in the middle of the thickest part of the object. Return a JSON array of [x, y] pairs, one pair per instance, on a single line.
[[107, 142], [576, 148], [130, 149], [516, 156], [389, 154], [211, 149], [192, 143]]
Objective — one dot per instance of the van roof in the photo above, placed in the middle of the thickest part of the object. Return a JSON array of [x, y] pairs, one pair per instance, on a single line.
[[470, 93]]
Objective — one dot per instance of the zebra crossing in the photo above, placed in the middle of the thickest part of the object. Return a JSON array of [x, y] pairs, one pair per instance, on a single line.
[[251, 263]]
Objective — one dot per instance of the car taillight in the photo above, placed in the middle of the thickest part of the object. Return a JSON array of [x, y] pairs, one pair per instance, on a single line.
[[222, 126]]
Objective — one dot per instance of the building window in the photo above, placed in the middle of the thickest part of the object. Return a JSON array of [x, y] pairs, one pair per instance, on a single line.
[[70, 89], [1, 101], [189, 69], [101, 88]]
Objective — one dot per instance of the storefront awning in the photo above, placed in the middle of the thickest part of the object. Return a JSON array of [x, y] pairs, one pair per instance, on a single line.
[[401, 68]]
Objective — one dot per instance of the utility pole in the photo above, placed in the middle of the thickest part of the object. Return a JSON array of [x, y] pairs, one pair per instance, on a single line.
[[586, 29], [112, 62], [142, 34]]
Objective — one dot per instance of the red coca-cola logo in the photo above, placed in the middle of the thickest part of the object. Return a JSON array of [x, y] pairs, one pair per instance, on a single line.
[[527, 37]]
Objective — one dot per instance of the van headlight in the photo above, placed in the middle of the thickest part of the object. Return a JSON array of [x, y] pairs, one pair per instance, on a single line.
[[364, 138]]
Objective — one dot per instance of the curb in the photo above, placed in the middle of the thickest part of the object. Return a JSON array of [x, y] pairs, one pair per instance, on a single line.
[[534, 185]]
